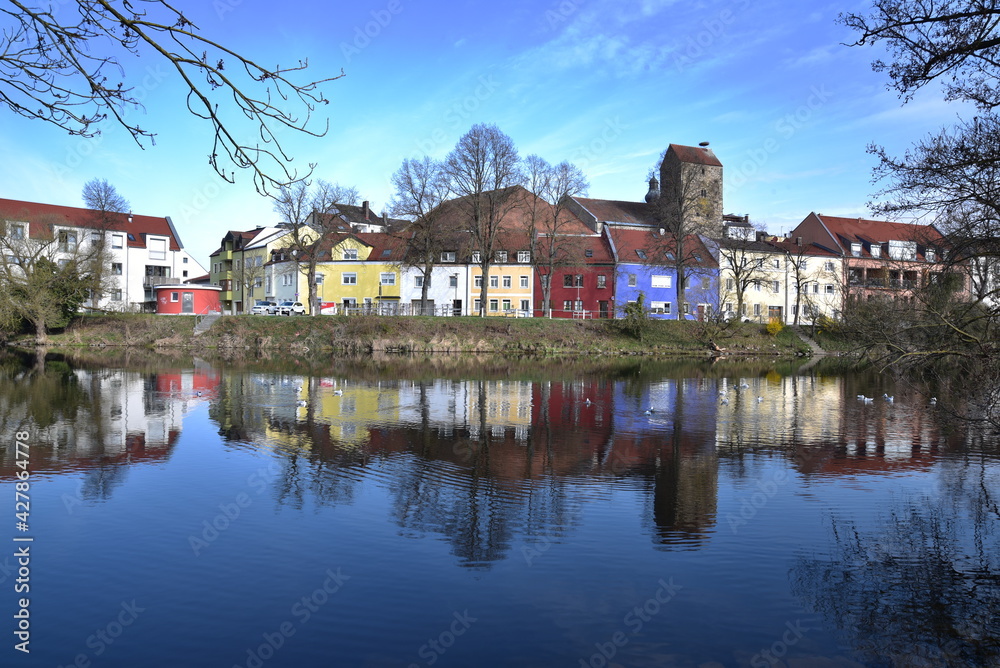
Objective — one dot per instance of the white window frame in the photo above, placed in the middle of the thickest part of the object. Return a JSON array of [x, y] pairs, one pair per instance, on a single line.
[[447, 256], [350, 253], [524, 282], [349, 278], [507, 281], [524, 257], [387, 278]]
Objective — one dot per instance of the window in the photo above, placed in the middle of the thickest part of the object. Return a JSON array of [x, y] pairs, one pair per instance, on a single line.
[[579, 280], [704, 193], [687, 308], [96, 237], [524, 281], [506, 281], [494, 281], [602, 281], [116, 268], [828, 266], [567, 304], [116, 295], [728, 307], [524, 257], [117, 240], [16, 232], [876, 250], [386, 252], [775, 286], [477, 257], [828, 288], [568, 280], [697, 257], [258, 281], [175, 296], [67, 241], [268, 290], [350, 253], [776, 264], [505, 304], [756, 309], [237, 262], [453, 281], [641, 254], [803, 265], [815, 288], [632, 280], [494, 305], [589, 252], [184, 273], [756, 285], [729, 284], [348, 279], [500, 256], [448, 256], [418, 281], [387, 278], [929, 255], [578, 305], [476, 305], [661, 281], [478, 281], [856, 250], [525, 305], [185, 260], [158, 250]]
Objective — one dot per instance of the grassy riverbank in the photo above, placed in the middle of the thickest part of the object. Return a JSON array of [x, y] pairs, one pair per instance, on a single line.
[[378, 334]]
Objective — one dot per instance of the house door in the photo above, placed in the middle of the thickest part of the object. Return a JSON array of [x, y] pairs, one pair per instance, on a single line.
[[603, 306], [701, 313], [187, 302], [774, 313], [456, 307]]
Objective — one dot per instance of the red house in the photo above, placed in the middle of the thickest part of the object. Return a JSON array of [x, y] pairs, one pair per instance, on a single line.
[[187, 299], [582, 278]]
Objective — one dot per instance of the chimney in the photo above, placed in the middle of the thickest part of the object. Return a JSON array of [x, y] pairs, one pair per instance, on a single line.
[[385, 219], [364, 208]]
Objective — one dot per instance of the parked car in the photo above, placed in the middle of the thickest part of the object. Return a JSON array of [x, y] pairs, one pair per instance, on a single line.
[[291, 308], [264, 308]]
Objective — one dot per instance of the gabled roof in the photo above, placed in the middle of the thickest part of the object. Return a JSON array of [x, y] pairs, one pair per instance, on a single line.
[[520, 203], [848, 231], [790, 247], [699, 155], [42, 217], [617, 211], [579, 245], [648, 247]]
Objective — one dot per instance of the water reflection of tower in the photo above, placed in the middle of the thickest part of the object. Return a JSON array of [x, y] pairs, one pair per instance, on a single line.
[[674, 448]]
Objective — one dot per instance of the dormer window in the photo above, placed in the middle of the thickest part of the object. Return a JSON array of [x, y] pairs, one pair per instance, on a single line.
[[350, 253], [856, 250], [448, 256], [929, 254], [876, 250]]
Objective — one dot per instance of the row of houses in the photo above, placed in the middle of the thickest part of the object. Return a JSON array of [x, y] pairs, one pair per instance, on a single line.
[[604, 255]]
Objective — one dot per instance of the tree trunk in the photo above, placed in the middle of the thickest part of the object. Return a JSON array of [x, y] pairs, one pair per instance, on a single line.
[[423, 291], [483, 292]]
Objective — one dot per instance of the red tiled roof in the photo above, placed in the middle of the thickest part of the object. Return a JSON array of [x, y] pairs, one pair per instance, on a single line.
[[578, 245], [861, 230], [789, 246], [654, 246], [41, 218], [700, 155]]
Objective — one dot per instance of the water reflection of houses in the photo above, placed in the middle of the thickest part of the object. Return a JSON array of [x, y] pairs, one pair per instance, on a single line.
[[118, 418]]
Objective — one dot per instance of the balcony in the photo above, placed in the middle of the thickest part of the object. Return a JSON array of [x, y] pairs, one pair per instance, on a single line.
[[150, 281]]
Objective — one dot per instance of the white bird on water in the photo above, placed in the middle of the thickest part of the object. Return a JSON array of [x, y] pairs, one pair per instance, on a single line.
[[338, 392]]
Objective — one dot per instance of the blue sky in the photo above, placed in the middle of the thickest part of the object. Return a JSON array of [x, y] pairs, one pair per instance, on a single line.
[[605, 84]]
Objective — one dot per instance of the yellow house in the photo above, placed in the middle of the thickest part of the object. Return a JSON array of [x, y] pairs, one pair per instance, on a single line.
[[510, 281], [353, 271], [238, 266]]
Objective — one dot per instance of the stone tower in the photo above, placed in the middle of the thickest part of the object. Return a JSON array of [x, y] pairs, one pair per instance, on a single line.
[[691, 182]]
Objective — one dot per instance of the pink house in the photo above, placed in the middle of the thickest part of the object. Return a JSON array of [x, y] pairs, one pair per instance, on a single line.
[[187, 299]]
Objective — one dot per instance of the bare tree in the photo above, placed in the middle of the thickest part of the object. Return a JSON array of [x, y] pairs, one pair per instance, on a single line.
[[742, 264], [108, 207], [70, 69], [422, 186], [249, 276], [554, 230], [310, 211], [483, 169]]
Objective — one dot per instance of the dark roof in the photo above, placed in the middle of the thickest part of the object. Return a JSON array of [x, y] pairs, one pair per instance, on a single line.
[[41, 218], [629, 243], [700, 155], [618, 211]]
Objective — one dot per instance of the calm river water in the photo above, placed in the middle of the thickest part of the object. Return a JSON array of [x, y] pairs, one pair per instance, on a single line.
[[491, 513]]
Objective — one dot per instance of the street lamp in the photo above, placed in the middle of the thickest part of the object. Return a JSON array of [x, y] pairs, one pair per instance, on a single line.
[[454, 303]]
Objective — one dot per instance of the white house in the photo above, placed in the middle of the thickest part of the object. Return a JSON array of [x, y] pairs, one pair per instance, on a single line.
[[142, 251]]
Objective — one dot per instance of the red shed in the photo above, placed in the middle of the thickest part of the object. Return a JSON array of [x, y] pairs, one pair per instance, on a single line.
[[187, 299]]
